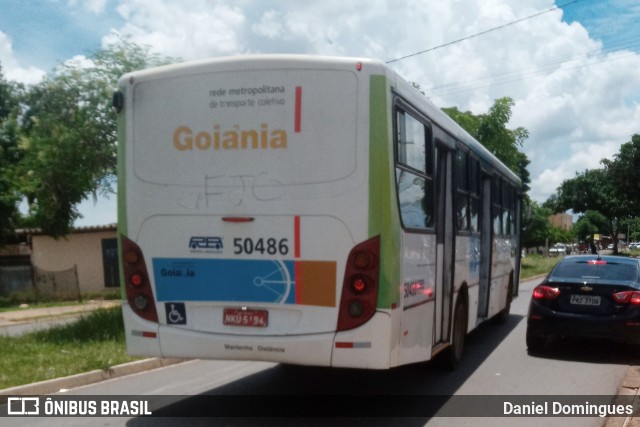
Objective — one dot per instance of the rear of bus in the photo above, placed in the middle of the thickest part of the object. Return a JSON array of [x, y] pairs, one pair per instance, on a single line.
[[244, 205]]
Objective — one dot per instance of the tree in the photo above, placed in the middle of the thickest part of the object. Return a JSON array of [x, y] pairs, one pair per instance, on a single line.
[[592, 222], [491, 131], [632, 226], [624, 172], [71, 136], [558, 235], [593, 190], [466, 120], [10, 155], [536, 228]]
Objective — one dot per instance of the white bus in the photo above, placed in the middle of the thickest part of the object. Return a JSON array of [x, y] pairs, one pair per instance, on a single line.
[[306, 210]]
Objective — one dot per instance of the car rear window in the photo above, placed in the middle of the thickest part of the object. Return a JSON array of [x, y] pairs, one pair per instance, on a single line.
[[596, 269]]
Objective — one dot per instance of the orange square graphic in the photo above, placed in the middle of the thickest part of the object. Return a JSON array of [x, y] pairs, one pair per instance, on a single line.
[[316, 283]]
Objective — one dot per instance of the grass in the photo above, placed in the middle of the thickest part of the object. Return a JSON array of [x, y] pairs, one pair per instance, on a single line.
[[535, 265], [95, 341], [24, 300], [45, 304]]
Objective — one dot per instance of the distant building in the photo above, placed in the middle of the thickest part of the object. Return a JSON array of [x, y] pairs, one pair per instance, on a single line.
[[562, 221]]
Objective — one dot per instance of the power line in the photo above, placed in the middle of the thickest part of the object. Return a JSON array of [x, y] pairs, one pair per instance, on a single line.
[[534, 73], [483, 32], [540, 69]]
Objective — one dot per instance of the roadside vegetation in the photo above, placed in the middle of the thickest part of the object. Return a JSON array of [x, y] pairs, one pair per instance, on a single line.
[[25, 300], [534, 265], [95, 341]]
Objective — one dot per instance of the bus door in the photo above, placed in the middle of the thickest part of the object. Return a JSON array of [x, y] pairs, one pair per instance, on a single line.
[[444, 242], [485, 246]]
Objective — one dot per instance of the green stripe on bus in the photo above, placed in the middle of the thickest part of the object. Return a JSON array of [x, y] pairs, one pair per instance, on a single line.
[[384, 219], [122, 193]]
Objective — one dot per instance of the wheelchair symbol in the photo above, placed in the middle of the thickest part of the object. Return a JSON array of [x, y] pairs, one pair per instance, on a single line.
[[176, 313]]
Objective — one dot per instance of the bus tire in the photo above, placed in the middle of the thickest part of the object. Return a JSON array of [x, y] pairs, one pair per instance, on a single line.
[[453, 355]]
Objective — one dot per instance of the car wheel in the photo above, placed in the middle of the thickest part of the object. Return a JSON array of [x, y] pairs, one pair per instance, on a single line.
[[453, 354], [535, 343]]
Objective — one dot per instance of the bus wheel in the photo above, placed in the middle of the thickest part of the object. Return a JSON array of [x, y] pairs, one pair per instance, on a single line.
[[453, 354]]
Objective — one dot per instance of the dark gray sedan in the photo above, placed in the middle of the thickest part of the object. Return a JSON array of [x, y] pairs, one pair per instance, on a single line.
[[587, 296]]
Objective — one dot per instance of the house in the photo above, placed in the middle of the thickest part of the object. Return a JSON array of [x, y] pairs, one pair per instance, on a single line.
[[88, 257]]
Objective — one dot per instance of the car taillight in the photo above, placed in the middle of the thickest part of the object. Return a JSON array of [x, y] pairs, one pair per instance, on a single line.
[[545, 292], [627, 297], [360, 285], [137, 284]]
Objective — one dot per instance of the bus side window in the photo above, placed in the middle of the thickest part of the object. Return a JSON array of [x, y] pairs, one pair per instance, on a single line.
[[462, 182], [496, 195], [474, 190], [414, 163], [509, 215], [506, 201], [411, 142]]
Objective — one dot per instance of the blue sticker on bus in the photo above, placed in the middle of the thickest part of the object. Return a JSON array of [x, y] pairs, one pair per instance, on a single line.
[[267, 281]]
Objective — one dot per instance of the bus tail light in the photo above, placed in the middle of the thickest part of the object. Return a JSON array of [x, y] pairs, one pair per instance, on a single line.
[[137, 284], [360, 285]]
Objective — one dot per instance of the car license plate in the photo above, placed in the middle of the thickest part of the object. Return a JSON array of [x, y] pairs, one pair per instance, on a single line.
[[585, 299], [245, 317]]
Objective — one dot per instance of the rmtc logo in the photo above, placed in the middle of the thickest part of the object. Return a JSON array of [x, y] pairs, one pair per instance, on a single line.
[[204, 242]]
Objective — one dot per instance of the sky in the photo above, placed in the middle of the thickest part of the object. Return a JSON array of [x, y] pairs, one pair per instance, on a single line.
[[572, 67]]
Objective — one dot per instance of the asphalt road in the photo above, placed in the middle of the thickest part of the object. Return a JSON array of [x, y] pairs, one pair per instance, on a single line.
[[496, 363]]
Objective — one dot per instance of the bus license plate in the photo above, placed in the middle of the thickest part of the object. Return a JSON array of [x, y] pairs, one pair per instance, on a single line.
[[245, 317], [585, 299]]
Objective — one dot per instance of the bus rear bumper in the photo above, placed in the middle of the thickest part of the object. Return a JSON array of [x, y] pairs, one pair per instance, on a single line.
[[300, 349], [141, 335], [364, 347]]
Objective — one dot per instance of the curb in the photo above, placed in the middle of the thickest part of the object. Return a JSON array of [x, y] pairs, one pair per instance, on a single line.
[[59, 384], [630, 387]]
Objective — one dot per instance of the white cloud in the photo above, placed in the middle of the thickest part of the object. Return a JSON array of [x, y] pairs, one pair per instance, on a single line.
[[584, 119], [96, 7], [270, 25], [583, 156], [11, 69], [188, 29]]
